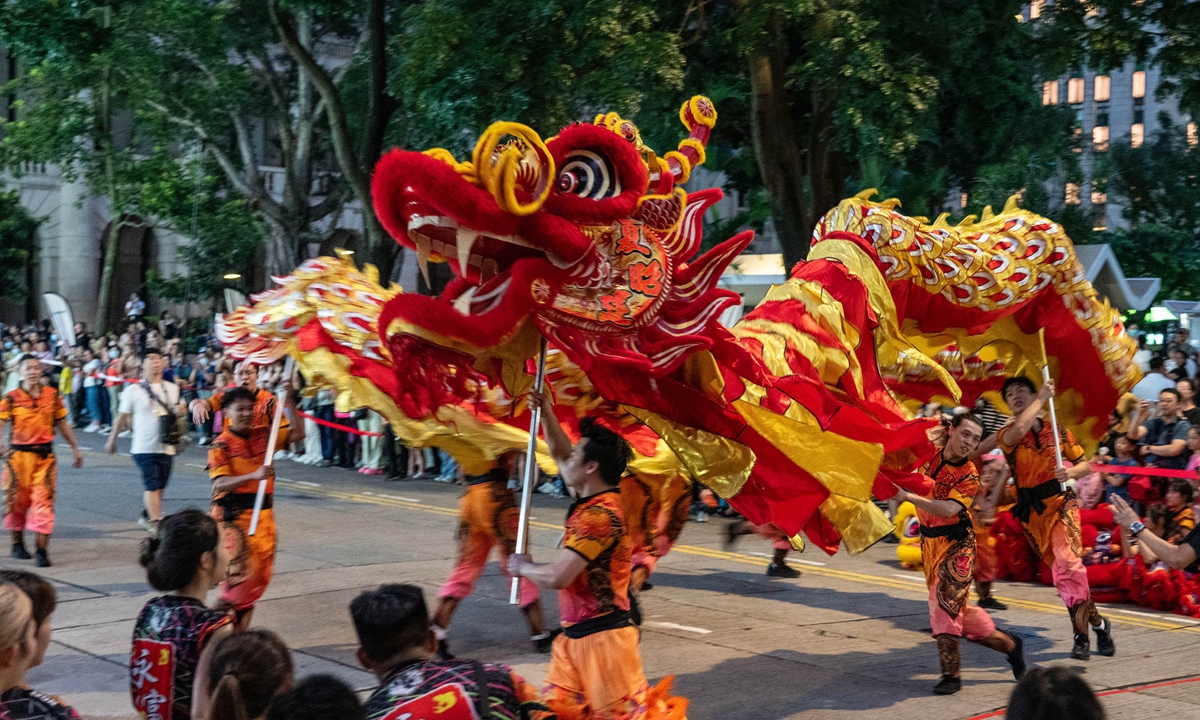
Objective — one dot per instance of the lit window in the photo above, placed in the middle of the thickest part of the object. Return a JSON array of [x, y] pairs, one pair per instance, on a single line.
[[1139, 84], [1071, 197], [1100, 138], [962, 200], [1101, 87], [1099, 197], [1050, 92], [1075, 91], [1137, 135], [1192, 137], [1035, 9]]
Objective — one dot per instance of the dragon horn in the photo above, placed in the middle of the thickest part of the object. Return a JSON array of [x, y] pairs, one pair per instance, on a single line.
[[698, 115]]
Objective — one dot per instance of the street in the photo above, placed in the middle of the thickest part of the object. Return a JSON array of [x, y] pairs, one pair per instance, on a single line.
[[849, 638]]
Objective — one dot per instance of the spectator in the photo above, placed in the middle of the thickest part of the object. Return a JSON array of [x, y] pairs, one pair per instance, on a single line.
[[167, 326], [83, 338], [1182, 556], [247, 670], [21, 649], [41, 594], [135, 307], [1117, 484], [317, 697], [1055, 693], [1181, 520], [153, 408], [185, 560], [1164, 438], [113, 380], [397, 645], [1179, 365], [1155, 381], [1187, 396]]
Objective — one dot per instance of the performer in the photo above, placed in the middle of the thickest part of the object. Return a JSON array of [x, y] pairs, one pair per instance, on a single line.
[[948, 554], [245, 375], [778, 567], [1049, 514], [983, 514], [487, 518], [30, 475], [657, 521], [235, 466], [595, 668]]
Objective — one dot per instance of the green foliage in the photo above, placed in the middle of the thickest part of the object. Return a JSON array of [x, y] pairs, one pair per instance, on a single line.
[[17, 228], [1157, 187]]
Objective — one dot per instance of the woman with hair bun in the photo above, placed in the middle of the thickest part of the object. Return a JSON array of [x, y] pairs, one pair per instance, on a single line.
[[20, 650], [175, 633], [246, 672]]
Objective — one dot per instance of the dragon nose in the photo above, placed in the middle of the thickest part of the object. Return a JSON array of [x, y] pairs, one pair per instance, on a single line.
[[514, 165]]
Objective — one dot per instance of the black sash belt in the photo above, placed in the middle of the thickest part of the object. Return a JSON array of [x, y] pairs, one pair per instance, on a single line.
[[493, 475], [43, 450], [1030, 499], [956, 532], [235, 504], [591, 626]]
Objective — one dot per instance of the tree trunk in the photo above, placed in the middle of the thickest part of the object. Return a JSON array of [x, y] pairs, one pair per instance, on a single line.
[[112, 239], [778, 155], [281, 251], [826, 164]]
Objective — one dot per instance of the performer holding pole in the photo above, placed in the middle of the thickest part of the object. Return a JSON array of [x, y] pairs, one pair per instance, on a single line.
[[948, 554], [238, 464], [288, 366], [535, 419], [595, 667], [1048, 512]]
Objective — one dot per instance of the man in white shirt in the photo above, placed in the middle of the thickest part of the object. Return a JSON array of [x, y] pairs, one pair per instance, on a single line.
[[1154, 383], [143, 405]]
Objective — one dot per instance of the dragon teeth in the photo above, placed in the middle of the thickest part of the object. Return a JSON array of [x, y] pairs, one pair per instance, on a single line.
[[423, 248], [466, 240]]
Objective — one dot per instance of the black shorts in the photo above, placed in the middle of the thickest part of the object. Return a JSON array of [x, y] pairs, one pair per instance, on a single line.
[[156, 469]]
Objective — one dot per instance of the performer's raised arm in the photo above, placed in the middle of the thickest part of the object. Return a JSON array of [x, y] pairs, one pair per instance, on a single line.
[[557, 440]]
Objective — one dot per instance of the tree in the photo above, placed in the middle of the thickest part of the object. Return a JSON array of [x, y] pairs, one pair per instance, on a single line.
[[17, 228]]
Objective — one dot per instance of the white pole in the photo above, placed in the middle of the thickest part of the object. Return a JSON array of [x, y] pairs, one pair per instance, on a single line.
[[1053, 418], [261, 495], [535, 421]]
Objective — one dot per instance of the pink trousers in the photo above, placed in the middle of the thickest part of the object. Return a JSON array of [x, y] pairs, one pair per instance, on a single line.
[[972, 622]]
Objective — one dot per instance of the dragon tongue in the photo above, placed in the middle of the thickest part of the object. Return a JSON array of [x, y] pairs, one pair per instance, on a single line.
[[466, 240]]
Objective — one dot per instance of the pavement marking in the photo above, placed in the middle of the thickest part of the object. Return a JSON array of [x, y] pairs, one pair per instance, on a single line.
[[1160, 622], [814, 563], [676, 626], [81, 447], [307, 483], [405, 499], [1158, 616], [908, 578], [196, 465]]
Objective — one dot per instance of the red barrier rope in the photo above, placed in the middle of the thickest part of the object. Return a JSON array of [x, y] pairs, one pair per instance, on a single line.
[[1139, 470], [336, 426]]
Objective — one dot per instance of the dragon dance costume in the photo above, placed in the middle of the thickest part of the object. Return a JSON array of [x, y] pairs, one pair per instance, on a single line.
[[1050, 516], [948, 556], [251, 557], [30, 474]]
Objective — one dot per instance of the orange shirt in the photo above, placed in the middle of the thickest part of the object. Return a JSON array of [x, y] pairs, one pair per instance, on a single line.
[[232, 454], [596, 530], [32, 418], [959, 483], [264, 407], [1032, 458]]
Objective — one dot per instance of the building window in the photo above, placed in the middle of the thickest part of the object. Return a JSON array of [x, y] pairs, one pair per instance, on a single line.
[[1139, 84], [1192, 137], [1071, 196], [1137, 135], [1100, 138], [1075, 91], [962, 200], [1099, 216], [1099, 197], [1100, 88], [1050, 92], [1102, 115], [1035, 9]]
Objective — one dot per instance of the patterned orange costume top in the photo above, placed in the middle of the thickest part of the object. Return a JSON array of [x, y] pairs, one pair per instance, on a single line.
[[32, 418], [232, 454], [264, 408], [596, 530], [950, 560], [1033, 464]]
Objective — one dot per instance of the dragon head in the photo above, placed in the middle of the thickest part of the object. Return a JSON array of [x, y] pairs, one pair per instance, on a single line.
[[586, 234]]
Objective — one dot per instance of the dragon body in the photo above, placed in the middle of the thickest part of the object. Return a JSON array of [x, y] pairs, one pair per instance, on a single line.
[[799, 414]]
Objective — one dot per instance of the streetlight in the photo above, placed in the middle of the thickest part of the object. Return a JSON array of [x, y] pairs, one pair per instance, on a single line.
[[232, 276], [344, 253]]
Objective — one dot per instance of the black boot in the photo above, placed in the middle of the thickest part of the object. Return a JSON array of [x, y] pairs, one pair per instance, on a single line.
[[951, 682], [41, 559], [19, 551], [1104, 641], [779, 567], [1016, 657], [1080, 614], [1012, 647]]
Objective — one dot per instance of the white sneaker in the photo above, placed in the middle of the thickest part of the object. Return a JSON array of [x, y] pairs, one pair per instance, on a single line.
[[94, 427], [125, 433]]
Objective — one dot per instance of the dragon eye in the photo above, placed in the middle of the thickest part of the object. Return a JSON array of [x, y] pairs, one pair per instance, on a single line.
[[589, 175]]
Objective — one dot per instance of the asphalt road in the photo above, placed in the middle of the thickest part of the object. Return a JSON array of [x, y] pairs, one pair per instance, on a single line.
[[849, 638]]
